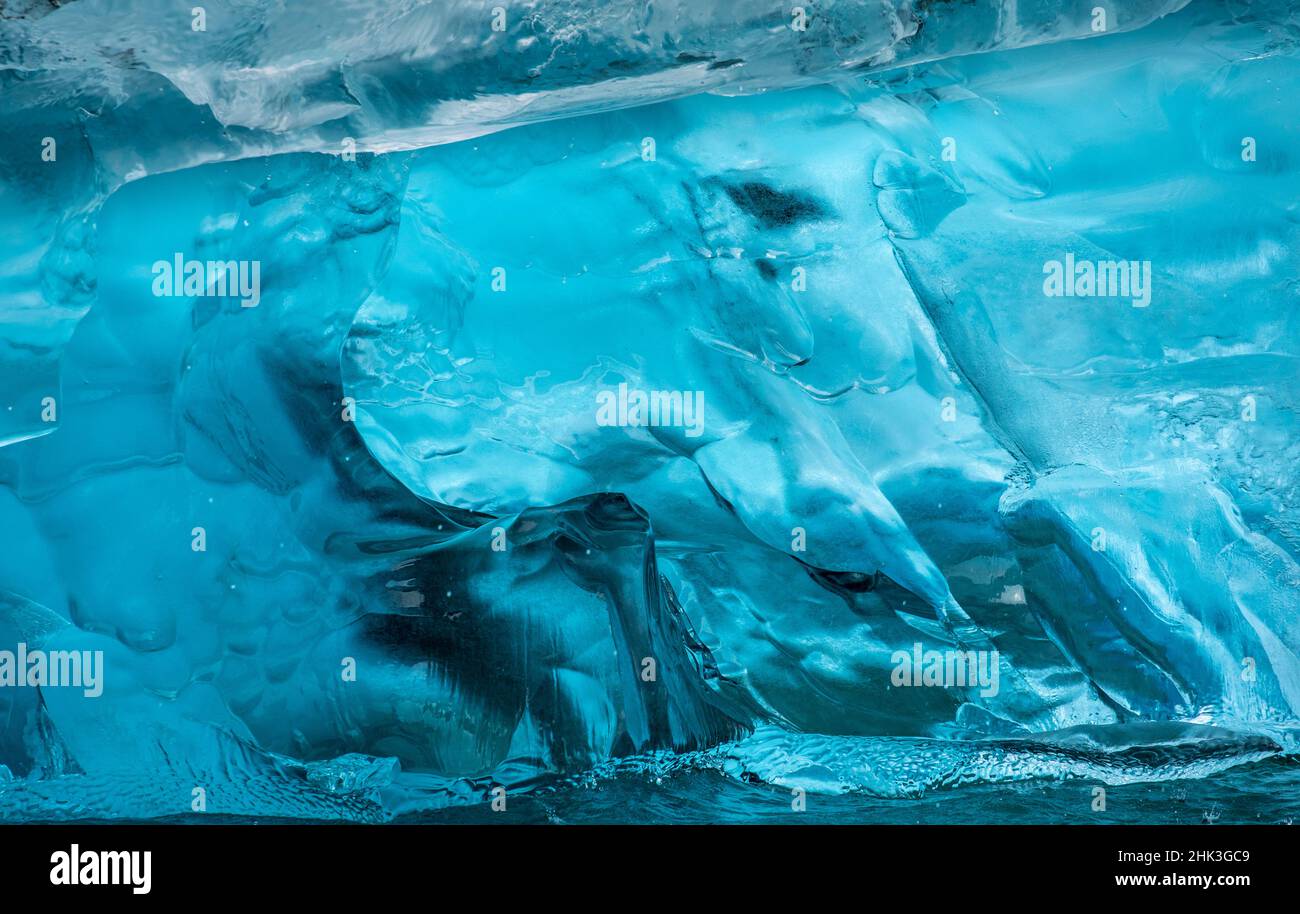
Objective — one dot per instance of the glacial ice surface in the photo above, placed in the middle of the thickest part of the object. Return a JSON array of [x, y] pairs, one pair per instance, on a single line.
[[837, 236]]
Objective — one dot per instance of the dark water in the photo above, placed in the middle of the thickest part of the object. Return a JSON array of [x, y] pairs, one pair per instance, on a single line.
[[1264, 793]]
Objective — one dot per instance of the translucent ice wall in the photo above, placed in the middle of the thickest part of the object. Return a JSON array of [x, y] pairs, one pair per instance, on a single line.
[[981, 322]]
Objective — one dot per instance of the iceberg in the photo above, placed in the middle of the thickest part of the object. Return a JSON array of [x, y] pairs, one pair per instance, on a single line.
[[411, 405]]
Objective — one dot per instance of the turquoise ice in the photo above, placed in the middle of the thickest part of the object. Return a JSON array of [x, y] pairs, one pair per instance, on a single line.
[[969, 330]]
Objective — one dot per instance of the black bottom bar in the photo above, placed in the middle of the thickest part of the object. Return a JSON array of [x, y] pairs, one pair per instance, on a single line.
[[442, 863]]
